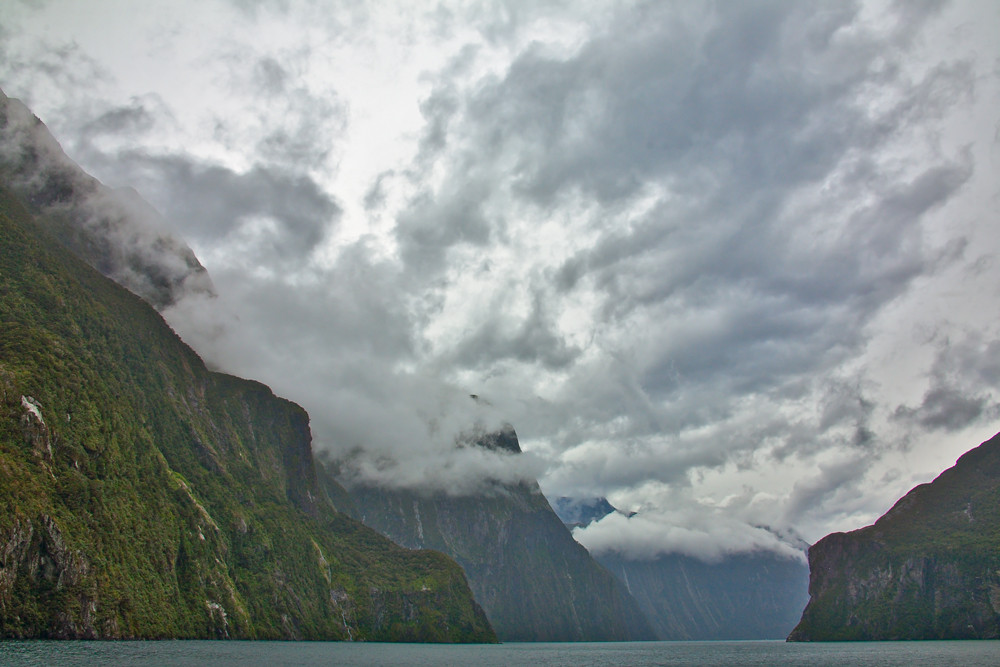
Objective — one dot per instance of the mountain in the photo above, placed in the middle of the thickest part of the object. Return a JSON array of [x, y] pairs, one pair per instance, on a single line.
[[115, 231], [757, 595], [576, 513], [533, 580], [929, 568], [144, 496], [743, 596]]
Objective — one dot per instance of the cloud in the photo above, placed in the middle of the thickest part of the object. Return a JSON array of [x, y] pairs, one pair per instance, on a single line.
[[338, 340], [705, 535], [963, 382], [750, 185], [48, 69], [129, 120], [115, 230], [531, 339], [263, 217], [678, 246], [292, 125]]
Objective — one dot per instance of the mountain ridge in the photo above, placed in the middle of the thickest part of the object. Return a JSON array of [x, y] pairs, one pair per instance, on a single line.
[[114, 230], [149, 497], [929, 568], [533, 580]]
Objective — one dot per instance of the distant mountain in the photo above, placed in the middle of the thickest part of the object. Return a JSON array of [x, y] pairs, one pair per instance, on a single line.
[[744, 596], [576, 513], [115, 231], [929, 568], [533, 580], [146, 497]]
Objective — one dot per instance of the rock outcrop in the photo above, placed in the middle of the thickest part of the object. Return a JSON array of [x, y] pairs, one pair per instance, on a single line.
[[927, 569]]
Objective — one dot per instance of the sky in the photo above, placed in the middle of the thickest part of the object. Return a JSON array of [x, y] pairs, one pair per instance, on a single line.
[[731, 265]]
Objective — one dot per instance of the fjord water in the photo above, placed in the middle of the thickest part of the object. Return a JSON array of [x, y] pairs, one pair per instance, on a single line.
[[638, 654]]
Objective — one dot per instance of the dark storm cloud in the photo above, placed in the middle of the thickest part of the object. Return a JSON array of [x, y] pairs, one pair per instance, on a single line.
[[297, 128], [732, 115], [304, 135], [673, 442], [964, 386], [433, 223], [270, 76], [351, 311], [785, 308], [273, 216], [840, 481], [787, 160], [213, 200], [946, 408], [275, 209], [754, 91], [375, 197], [500, 337], [438, 110], [130, 120]]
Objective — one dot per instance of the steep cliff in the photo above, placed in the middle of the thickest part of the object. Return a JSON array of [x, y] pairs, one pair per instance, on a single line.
[[532, 579], [144, 496], [927, 569], [757, 595], [742, 596]]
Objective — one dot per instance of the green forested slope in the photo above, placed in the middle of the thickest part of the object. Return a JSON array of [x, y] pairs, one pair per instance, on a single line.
[[144, 496], [928, 569]]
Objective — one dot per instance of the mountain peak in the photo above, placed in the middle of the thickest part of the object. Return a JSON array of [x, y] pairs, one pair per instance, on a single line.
[[114, 230]]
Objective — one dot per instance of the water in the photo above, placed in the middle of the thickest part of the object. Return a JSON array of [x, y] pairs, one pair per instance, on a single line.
[[637, 654]]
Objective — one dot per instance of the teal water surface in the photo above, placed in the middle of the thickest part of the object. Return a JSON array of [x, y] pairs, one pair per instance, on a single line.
[[638, 654]]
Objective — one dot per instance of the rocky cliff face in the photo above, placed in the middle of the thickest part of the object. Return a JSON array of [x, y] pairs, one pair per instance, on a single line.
[[746, 596], [927, 569], [576, 513], [532, 579], [144, 496]]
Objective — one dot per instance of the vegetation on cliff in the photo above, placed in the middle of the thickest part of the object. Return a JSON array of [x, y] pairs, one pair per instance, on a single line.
[[145, 496], [928, 569]]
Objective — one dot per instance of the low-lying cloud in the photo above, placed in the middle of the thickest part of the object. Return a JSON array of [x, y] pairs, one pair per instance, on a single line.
[[707, 536]]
